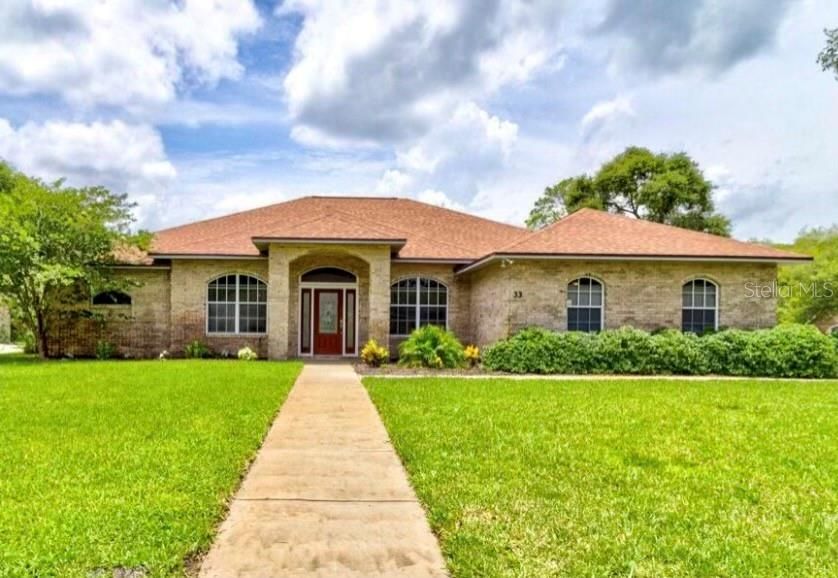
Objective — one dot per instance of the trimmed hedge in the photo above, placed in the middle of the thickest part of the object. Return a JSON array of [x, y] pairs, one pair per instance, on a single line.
[[784, 351]]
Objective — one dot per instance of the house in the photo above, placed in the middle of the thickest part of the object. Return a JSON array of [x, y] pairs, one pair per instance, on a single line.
[[322, 275]]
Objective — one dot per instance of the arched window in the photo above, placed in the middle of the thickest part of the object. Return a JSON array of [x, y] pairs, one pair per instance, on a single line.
[[416, 302], [699, 306], [111, 298], [584, 304], [237, 304]]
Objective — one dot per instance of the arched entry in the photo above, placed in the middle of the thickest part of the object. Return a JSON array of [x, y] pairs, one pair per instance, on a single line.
[[328, 312]]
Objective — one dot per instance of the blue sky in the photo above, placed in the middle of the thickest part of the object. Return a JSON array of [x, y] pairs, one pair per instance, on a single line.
[[198, 108]]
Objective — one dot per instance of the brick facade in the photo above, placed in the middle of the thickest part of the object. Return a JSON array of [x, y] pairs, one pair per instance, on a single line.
[[459, 295], [509, 296], [169, 304]]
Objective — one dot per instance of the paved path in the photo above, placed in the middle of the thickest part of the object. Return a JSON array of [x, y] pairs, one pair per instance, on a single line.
[[326, 495]]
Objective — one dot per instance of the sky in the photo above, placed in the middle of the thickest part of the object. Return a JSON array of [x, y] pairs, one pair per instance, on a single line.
[[197, 108]]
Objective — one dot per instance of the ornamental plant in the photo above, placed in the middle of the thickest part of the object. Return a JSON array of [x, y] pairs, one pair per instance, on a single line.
[[374, 354], [197, 350], [431, 346], [247, 354], [472, 355]]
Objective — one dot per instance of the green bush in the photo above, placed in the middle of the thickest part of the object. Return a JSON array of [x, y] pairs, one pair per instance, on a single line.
[[431, 346], [105, 349], [197, 350], [27, 340], [785, 351]]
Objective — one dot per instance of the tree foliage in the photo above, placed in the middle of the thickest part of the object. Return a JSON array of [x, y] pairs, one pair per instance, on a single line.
[[828, 57], [809, 293], [56, 241], [659, 187]]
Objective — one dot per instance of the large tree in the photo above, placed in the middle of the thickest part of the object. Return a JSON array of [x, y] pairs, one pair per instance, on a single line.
[[660, 187], [809, 293], [56, 241], [828, 58]]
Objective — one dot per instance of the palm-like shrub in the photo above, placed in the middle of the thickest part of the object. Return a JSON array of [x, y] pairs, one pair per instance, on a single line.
[[431, 346]]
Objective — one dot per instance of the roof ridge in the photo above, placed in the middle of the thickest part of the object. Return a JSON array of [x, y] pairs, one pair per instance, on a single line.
[[461, 213]]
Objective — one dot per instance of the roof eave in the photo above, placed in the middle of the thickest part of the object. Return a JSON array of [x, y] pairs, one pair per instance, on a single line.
[[483, 261]]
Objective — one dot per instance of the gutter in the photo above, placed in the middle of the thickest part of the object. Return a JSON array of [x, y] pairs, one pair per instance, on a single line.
[[484, 261]]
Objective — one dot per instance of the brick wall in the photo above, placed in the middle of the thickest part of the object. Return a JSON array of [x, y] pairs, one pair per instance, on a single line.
[[646, 295], [459, 295], [137, 330], [189, 304]]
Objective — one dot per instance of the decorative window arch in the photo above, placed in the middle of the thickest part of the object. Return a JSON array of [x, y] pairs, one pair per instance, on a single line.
[[585, 304], [416, 302], [237, 303], [699, 306], [111, 298]]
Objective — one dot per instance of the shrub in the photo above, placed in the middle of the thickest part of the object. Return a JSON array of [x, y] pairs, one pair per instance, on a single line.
[[472, 355], [247, 354], [784, 351], [536, 350], [104, 349], [29, 343], [374, 354], [431, 346], [197, 350]]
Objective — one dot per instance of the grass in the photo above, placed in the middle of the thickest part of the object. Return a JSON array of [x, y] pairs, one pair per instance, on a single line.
[[622, 478], [107, 465]]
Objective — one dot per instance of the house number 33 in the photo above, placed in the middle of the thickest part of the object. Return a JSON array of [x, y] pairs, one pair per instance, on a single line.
[[517, 294]]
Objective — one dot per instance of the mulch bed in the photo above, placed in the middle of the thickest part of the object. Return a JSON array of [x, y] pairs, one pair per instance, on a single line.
[[393, 369]]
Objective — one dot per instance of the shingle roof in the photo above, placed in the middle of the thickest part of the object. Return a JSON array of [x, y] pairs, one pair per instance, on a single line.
[[597, 233], [429, 232], [423, 231]]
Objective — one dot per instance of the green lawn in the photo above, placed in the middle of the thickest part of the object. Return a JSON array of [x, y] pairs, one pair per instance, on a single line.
[[124, 464], [622, 478]]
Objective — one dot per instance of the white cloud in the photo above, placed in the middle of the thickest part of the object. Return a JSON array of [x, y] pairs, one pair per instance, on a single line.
[[449, 163], [390, 71], [606, 113], [131, 53], [122, 157]]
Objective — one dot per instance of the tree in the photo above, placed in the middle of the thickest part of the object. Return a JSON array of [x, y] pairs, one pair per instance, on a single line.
[[56, 241], [809, 293], [828, 57], [664, 188]]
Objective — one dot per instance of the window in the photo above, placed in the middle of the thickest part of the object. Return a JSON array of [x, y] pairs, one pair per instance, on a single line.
[[584, 305], [700, 306], [111, 298], [416, 302], [237, 304]]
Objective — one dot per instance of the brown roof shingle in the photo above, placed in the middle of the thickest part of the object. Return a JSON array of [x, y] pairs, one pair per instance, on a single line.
[[597, 233], [429, 232], [424, 231]]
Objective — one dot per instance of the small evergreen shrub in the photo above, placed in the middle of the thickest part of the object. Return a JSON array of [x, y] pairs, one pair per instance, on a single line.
[[105, 349], [431, 346], [374, 354], [784, 351], [247, 354], [197, 350]]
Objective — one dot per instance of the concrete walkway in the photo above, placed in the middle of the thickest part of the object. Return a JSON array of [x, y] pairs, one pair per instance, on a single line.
[[326, 495]]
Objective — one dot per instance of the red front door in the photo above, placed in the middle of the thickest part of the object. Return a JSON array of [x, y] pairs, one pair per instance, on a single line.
[[328, 321]]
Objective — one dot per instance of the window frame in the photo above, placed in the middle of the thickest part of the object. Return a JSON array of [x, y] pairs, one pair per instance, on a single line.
[[601, 307], [237, 304], [716, 308], [417, 307], [125, 305]]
